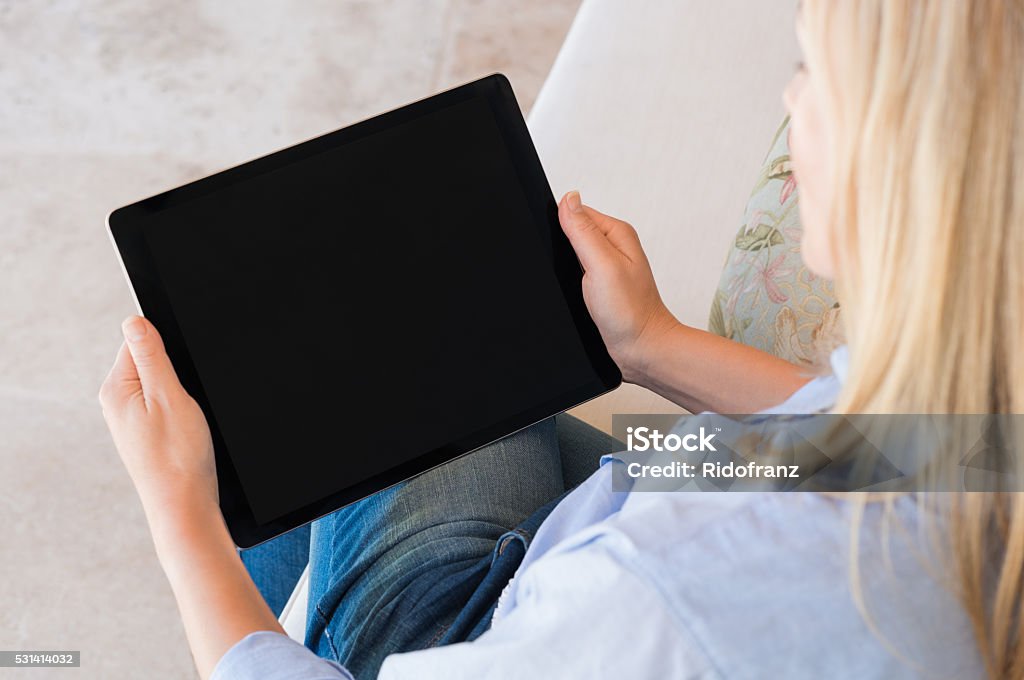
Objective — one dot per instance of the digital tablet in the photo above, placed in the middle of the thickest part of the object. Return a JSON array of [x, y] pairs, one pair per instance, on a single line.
[[366, 305]]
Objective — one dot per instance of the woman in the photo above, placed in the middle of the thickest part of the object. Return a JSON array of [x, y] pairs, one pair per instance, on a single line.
[[907, 144]]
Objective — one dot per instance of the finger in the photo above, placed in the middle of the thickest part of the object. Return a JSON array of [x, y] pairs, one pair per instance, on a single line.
[[620, 234], [156, 374], [122, 382], [587, 237]]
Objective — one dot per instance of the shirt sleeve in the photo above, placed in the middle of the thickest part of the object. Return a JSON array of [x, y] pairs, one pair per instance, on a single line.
[[611, 624], [266, 655]]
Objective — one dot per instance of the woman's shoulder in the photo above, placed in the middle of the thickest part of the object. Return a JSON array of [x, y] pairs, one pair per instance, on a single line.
[[763, 581]]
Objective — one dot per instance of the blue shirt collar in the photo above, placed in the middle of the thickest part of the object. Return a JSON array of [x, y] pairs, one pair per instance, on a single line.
[[840, 360]]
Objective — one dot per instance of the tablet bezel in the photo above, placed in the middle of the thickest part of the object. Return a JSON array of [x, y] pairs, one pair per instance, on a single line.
[[126, 224]]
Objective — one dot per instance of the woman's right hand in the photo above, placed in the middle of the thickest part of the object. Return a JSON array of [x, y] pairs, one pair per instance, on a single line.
[[618, 285]]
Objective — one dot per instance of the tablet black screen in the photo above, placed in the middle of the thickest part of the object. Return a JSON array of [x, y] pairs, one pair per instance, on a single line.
[[357, 308]]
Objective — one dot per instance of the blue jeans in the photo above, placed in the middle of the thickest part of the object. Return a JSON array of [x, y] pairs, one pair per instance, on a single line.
[[422, 564]]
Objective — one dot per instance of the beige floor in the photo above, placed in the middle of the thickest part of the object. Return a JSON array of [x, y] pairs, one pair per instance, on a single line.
[[105, 102]]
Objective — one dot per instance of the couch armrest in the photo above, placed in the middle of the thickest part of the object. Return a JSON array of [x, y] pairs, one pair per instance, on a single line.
[[293, 616], [660, 113]]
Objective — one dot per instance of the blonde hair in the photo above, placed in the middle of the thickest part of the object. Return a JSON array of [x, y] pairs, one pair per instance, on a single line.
[[926, 101]]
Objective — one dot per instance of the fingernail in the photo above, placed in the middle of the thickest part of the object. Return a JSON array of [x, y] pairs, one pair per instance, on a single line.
[[573, 199], [134, 329]]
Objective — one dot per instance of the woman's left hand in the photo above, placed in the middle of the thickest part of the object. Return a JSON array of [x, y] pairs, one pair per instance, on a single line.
[[165, 443], [159, 430]]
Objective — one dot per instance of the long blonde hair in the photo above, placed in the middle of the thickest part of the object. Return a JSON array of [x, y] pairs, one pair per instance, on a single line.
[[927, 104]]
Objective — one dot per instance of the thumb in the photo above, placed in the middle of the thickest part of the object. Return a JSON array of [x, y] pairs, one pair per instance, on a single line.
[[587, 236], [156, 374], [122, 382]]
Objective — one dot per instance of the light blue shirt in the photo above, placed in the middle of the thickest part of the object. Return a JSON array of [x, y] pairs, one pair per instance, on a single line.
[[691, 585]]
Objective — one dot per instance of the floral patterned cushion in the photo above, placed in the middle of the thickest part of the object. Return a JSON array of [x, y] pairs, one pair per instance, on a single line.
[[767, 298]]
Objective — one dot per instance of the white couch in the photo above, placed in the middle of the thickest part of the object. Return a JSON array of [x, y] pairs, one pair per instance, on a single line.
[[659, 112]]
